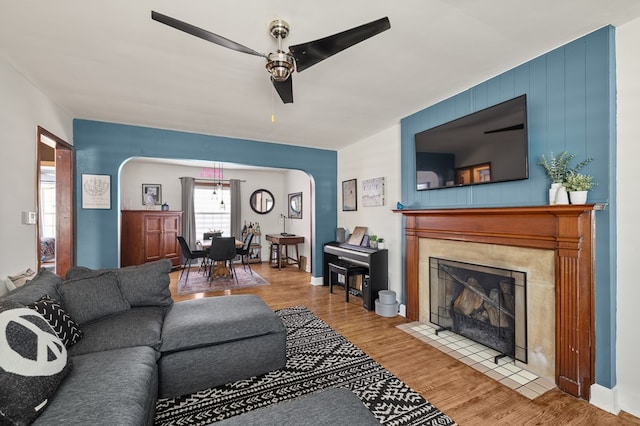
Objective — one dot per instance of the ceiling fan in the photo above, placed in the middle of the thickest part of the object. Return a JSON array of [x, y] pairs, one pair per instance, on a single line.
[[281, 64]]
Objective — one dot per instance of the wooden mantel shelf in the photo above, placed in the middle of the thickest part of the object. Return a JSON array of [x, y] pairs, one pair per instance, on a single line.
[[568, 230]]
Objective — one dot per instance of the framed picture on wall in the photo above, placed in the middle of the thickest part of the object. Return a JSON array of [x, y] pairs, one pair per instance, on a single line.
[[96, 191], [350, 195], [151, 194], [295, 205]]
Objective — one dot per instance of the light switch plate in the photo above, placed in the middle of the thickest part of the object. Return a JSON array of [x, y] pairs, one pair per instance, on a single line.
[[29, 218]]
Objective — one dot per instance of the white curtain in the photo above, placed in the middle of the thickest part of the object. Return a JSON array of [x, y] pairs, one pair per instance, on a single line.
[[188, 211]]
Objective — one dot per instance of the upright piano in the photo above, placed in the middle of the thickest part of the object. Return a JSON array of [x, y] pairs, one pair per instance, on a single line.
[[374, 260]]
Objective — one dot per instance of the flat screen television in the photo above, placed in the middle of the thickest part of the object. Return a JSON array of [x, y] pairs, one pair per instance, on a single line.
[[487, 146]]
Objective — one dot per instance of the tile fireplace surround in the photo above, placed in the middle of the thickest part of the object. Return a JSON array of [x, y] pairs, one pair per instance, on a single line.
[[566, 231]]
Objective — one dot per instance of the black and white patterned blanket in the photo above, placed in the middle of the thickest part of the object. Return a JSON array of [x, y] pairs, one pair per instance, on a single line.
[[317, 358]]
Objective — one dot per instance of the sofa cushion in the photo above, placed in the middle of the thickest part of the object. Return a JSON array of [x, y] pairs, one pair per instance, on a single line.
[[44, 283], [29, 375], [65, 327], [327, 408], [117, 387], [94, 297], [215, 320], [135, 327], [142, 285]]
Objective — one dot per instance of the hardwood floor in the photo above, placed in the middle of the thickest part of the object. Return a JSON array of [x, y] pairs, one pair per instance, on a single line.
[[466, 395]]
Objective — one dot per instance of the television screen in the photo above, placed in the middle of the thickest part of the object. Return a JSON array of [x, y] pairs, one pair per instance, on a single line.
[[484, 147]]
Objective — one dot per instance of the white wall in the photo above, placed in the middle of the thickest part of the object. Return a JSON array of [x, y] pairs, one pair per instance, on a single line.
[[22, 108], [628, 289], [374, 157], [297, 181], [280, 183]]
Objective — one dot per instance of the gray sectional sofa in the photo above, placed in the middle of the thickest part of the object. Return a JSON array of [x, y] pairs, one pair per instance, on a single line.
[[136, 345], [100, 348]]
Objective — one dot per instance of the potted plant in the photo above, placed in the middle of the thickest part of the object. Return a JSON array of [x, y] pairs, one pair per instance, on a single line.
[[558, 169], [380, 243], [373, 241], [578, 185]]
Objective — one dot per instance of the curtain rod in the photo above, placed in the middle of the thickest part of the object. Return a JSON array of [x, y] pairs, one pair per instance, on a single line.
[[211, 179]]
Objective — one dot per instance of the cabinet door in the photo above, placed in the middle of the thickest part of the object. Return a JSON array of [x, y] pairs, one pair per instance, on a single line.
[[153, 238], [170, 234]]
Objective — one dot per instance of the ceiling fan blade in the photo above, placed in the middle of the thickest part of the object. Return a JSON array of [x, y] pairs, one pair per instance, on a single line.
[[506, 129], [284, 89], [308, 54], [203, 34]]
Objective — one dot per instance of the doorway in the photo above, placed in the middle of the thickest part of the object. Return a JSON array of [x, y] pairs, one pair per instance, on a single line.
[[54, 192]]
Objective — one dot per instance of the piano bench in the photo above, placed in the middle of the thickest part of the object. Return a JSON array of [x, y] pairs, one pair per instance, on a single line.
[[348, 270]]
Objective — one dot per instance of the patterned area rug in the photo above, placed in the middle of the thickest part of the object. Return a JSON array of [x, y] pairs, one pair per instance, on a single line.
[[198, 282], [317, 358]]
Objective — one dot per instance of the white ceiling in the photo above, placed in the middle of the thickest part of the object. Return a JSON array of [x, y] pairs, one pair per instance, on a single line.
[[108, 61]]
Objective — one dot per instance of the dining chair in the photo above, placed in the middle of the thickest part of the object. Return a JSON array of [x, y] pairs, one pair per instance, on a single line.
[[223, 249], [244, 251], [189, 255]]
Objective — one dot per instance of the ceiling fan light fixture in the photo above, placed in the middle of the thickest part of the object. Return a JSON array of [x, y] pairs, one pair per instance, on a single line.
[[280, 65]]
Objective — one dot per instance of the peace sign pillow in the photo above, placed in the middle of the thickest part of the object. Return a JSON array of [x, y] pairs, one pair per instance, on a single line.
[[33, 363]]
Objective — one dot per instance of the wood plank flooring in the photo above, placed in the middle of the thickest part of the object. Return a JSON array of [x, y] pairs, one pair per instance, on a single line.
[[466, 395]]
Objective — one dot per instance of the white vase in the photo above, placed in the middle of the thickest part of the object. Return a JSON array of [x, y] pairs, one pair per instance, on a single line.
[[558, 194], [578, 197]]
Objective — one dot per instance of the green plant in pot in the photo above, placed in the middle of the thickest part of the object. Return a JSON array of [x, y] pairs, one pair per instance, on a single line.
[[558, 169], [373, 241], [578, 185]]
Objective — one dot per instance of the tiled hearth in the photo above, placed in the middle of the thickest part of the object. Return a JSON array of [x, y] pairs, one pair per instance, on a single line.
[[481, 358]]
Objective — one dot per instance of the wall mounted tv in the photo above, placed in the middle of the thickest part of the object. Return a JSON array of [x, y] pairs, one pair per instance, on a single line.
[[487, 146]]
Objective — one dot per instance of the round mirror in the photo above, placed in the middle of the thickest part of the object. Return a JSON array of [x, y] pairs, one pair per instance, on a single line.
[[261, 201]]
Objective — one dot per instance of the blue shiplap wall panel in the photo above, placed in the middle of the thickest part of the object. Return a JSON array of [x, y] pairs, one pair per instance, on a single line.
[[101, 148], [570, 106]]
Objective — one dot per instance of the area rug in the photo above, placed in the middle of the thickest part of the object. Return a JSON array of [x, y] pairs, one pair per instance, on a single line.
[[199, 282], [317, 358]]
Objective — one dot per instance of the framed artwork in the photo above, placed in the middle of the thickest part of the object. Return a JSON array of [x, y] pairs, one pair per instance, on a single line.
[[151, 194], [357, 235], [96, 191], [295, 205], [350, 195], [373, 192]]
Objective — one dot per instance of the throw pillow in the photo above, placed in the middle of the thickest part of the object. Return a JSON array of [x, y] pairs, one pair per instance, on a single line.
[[4, 282], [45, 282], [65, 327], [94, 297], [142, 285], [33, 363], [20, 278]]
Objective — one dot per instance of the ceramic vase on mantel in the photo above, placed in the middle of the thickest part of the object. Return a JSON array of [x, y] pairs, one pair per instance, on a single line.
[[578, 197], [558, 194]]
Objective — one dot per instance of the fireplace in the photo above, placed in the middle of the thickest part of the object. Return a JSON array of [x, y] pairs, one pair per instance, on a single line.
[[565, 232], [483, 303]]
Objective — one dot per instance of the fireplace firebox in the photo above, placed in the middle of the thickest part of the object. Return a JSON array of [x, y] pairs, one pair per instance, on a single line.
[[483, 303]]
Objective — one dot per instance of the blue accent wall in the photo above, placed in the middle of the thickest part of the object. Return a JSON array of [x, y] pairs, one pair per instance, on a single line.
[[101, 148], [571, 106]]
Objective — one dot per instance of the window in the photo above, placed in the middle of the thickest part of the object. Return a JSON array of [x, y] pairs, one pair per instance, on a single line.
[[212, 205]]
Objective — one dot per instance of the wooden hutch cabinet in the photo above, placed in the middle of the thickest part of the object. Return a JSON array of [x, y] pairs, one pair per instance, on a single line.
[[149, 235]]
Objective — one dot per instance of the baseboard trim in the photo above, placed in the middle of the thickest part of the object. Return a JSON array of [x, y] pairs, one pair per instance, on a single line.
[[317, 281], [402, 310], [605, 398]]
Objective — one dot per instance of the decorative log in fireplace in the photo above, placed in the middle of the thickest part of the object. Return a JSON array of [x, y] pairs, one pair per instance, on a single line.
[[568, 230]]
